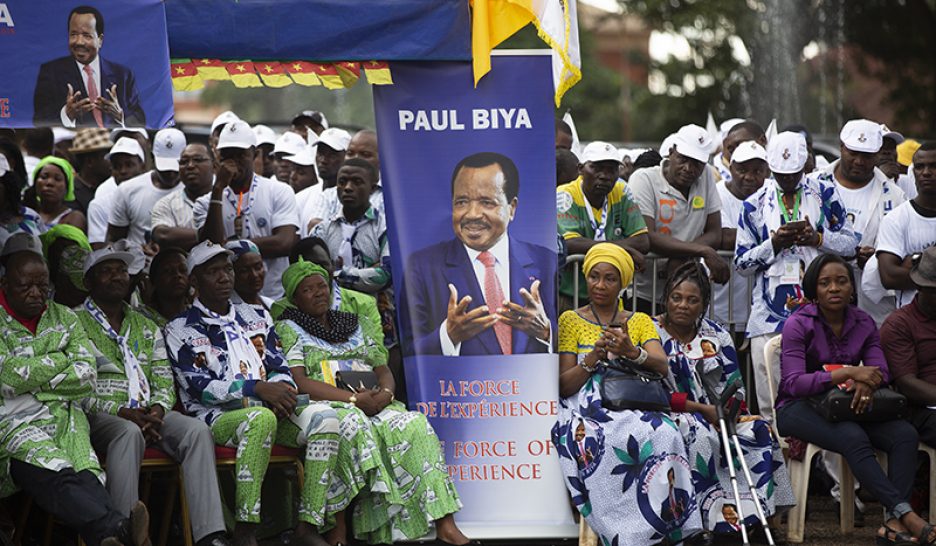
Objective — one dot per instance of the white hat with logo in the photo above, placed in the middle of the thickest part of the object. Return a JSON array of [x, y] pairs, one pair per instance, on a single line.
[[694, 141], [747, 151], [600, 151], [203, 252], [167, 148], [862, 135], [289, 143], [787, 153], [237, 134]]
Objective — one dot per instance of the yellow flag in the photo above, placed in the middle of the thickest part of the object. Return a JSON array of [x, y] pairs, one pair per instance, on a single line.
[[243, 74], [272, 73], [493, 21]]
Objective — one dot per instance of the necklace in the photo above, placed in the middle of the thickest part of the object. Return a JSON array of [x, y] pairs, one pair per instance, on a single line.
[[598, 319]]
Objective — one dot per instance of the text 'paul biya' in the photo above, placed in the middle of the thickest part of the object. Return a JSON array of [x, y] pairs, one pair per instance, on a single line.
[[451, 120]]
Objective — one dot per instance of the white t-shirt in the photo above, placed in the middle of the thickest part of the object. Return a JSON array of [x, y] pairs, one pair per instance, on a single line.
[[740, 295], [907, 182], [857, 203], [266, 206], [99, 210], [303, 200], [133, 205], [904, 232]]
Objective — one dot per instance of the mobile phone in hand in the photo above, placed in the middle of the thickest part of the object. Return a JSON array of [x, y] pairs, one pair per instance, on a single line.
[[799, 225]]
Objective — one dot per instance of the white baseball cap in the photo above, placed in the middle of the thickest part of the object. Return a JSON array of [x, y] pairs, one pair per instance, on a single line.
[[667, 145], [306, 157], [106, 254], [694, 141], [862, 135], [289, 143], [129, 146], [727, 125], [223, 119], [787, 153], [237, 134], [747, 151], [204, 251], [60, 133], [264, 134], [893, 135], [167, 148], [336, 139], [600, 151], [137, 130]]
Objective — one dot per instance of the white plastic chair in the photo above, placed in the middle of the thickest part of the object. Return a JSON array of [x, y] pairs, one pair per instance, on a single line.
[[799, 470]]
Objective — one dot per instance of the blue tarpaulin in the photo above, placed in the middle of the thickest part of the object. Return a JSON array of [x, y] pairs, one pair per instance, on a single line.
[[323, 30]]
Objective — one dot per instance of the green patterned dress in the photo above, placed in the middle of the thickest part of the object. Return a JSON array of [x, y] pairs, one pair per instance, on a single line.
[[43, 380], [407, 448]]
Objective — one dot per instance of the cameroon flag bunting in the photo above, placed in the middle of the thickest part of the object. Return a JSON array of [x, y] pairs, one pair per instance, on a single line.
[[211, 69], [242, 74], [349, 73], [378, 72], [272, 74], [185, 76], [329, 75], [302, 72]]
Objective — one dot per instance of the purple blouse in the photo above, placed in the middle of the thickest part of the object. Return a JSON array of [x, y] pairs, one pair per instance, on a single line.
[[808, 343]]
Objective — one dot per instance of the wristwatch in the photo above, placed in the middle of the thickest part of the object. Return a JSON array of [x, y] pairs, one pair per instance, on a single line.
[[353, 400]]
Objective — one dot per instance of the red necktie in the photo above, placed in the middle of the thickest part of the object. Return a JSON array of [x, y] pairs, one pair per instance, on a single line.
[[494, 298], [93, 95]]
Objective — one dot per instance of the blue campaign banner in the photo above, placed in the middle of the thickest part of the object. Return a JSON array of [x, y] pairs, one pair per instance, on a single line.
[[321, 30], [57, 57], [469, 179]]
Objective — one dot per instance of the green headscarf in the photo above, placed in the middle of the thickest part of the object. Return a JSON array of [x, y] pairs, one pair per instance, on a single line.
[[63, 231], [298, 271], [66, 168], [72, 264]]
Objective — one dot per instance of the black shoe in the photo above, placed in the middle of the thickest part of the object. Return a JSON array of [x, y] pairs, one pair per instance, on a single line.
[[214, 539]]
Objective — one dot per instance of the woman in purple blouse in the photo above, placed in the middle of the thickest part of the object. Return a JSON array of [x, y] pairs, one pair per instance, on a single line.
[[832, 330]]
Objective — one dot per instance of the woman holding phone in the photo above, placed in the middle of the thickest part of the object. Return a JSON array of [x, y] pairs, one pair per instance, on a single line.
[[786, 224]]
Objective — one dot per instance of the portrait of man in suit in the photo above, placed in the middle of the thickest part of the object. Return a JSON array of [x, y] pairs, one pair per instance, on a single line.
[[84, 89], [483, 292]]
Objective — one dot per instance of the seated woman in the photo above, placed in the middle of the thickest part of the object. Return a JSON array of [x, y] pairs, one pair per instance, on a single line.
[[249, 274], [832, 330], [55, 187], [701, 354], [393, 500], [627, 470]]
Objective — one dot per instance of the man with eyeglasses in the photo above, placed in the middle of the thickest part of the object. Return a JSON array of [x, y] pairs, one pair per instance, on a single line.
[[173, 222]]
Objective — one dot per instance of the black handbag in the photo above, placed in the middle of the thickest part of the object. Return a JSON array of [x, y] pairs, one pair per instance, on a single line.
[[886, 405], [625, 385], [358, 381]]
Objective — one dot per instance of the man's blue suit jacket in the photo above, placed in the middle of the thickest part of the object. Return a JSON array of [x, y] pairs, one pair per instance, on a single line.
[[52, 90], [425, 297]]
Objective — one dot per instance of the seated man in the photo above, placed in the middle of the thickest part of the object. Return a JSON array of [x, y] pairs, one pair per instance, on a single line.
[[233, 376], [46, 369], [908, 338], [133, 398]]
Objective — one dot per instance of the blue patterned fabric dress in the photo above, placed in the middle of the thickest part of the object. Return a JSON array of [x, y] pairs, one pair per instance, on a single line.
[[627, 471], [711, 359]]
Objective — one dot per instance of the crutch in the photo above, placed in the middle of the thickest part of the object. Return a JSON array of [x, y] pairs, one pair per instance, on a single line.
[[726, 425]]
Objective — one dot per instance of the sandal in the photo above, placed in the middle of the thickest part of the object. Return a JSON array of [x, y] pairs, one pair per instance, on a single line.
[[894, 537], [923, 538]]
